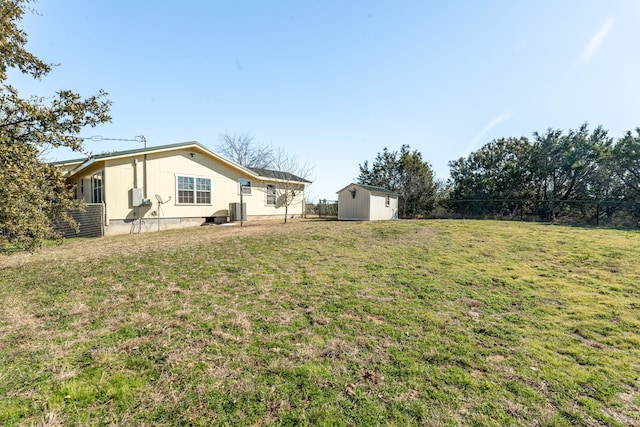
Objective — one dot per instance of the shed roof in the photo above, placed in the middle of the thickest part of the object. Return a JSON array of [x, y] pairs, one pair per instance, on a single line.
[[372, 188]]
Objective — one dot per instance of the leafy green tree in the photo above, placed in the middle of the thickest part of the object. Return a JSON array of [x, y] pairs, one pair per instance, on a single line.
[[626, 157], [569, 167], [33, 194], [494, 179], [405, 173], [556, 174], [417, 189], [383, 173]]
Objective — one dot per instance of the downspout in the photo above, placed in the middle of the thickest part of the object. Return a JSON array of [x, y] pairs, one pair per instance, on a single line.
[[104, 197], [144, 176], [144, 168], [135, 173]]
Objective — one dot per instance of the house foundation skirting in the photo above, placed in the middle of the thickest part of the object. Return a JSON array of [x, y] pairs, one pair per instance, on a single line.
[[90, 222], [122, 226], [127, 226]]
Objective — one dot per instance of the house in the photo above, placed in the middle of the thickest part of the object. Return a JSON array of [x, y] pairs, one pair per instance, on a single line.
[[358, 202], [179, 185]]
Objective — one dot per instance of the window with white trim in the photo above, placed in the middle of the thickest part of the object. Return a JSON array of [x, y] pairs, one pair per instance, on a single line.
[[193, 190], [271, 194], [97, 195], [387, 201]]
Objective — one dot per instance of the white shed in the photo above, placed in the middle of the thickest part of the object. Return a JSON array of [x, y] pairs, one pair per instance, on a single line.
[[358, 202]]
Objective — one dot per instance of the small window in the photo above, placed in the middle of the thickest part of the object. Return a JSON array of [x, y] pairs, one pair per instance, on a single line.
[[271, 194], [245, 186], [193, 190], [97, 188], [387, 201]]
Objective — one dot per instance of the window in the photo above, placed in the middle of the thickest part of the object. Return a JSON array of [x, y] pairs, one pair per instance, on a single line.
[[203, 191], [271, 194], [97, 188], [185, 189], [387, 201], [193, 190], [245, 186]]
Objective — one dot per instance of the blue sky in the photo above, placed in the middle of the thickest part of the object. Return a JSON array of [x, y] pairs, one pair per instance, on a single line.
[[334, 82]]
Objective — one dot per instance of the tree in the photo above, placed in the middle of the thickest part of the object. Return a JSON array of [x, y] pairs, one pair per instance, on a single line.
[[416, 190], [626, 156], [495, 178], [33, 193], [405, 173], [290, 176], [242, 149], [383, 173], [283, 167], [558, 173], [569, 167]]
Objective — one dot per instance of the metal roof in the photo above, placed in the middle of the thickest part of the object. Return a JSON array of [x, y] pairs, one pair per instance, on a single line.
[[254, 172], [372, 188], [282, 176]]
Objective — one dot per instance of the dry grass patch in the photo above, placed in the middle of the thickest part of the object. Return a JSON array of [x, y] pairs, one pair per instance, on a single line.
[[405, 323]]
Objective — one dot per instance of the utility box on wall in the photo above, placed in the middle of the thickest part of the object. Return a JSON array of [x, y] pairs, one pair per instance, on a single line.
[[234, 212], [137, 198]]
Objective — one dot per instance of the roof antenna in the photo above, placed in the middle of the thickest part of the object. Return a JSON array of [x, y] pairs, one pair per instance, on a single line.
[[137, 138]]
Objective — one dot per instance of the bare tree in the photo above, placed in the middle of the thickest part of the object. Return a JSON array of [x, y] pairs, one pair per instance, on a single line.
[[291, 178], [242, 149]]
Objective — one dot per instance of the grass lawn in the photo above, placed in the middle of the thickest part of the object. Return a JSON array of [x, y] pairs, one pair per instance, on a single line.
[[326, 323]]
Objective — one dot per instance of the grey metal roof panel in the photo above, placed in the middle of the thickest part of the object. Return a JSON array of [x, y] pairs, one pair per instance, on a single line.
[[371, 188], [285, 176]]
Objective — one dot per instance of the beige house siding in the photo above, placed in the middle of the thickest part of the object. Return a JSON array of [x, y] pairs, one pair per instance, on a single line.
[[83, 183], [123, 173]]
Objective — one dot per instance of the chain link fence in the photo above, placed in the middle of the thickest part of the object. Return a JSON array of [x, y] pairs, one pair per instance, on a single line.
[[616, 213], [324, 208]]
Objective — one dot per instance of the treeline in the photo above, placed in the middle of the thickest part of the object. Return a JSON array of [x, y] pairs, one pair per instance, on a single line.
[[580, 176]]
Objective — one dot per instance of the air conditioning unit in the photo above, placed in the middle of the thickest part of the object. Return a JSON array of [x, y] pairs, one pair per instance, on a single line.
[[234, 212]]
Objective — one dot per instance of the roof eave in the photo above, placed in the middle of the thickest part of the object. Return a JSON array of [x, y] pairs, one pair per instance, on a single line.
[[152, 150], [286, 181], [90, 161]]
